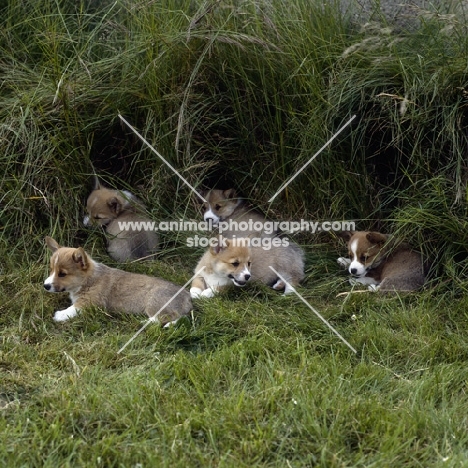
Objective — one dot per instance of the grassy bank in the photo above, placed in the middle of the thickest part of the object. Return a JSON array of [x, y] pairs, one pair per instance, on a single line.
[[234, 94]]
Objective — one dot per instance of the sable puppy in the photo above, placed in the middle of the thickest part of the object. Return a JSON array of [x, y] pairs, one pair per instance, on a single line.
[[379, 262], [107, 208], [93, 284], [225, 206], [236, 261]]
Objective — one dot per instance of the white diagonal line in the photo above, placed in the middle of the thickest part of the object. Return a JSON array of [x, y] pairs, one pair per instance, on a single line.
[[311, 159], [315, 311], [156, 152], [153, 318]]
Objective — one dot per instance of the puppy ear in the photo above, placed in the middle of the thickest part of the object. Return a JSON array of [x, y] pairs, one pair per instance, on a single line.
[[200, 196], [52, 244], [203, 193], [97, 184], [114, 205], [230, 193], [222, 244], [346, 235], [376, 237], [79, 256]]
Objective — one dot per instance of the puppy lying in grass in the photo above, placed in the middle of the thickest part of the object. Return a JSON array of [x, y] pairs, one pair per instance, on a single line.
[[109, 208], [222, 206], [93, 284], [378, 262], [235, 261]]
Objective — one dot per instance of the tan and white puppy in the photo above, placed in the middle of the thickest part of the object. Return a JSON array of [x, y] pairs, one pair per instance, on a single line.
[[223, 206], [93, 284], [236, 261], [109, 209], [377, 261]]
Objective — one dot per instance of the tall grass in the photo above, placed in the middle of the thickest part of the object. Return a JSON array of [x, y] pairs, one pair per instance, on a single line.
[[238, 94]]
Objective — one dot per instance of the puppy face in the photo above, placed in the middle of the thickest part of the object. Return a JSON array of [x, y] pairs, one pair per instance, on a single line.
[[230, 259], [364, 248], [220, 205], [69, 268], [103, 206]]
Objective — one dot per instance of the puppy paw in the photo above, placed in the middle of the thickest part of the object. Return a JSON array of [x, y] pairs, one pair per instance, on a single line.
[[66, 314], [170, 324], [344, 262], [373, 287], [288, 290], [195, 293], [207, 293], [279, 285]]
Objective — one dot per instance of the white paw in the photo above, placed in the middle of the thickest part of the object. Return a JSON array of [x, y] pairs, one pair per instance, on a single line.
[[373, 287], [208, 293], [64, 315], [344, 262], [279, 285], [288, 290], [170, 324], [195, 293]]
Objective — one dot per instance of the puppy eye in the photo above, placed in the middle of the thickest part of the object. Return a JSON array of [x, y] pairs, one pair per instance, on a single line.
[[363, 258], [62, 274], [235, 264], [217, 207], [248, 263]]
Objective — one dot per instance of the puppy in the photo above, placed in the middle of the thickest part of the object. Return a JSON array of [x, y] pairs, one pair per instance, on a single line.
[[93, 284], [107, 208], [378, 261], [224, 206], [236, 261]]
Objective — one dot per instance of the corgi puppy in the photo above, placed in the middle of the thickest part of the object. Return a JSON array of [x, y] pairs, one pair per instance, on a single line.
[[93, 284], [107, 208], [236, 261], [378, 261], [225, 205]]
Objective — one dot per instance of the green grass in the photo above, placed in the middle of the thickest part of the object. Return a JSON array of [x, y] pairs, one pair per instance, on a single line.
[[234, 94], [254, 380]]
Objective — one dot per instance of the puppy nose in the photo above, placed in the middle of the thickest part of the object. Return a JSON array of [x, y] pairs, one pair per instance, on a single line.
[[353, 271], [247, 277], [47, 287]]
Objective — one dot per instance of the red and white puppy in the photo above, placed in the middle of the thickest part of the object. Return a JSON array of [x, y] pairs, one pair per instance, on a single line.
[[377, 260], [93, 284]]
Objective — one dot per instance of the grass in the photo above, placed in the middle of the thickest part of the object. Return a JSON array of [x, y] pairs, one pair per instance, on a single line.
[[249, 381], [234, 94]]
